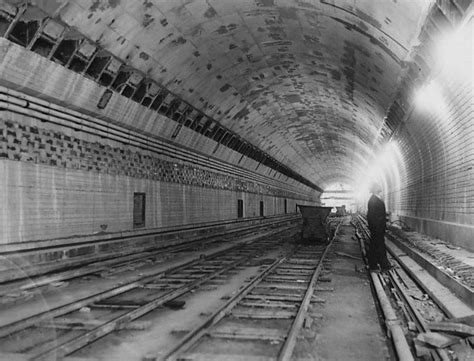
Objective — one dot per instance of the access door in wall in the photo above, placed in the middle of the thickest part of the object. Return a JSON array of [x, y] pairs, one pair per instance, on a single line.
[[240, 208], [138, 210]]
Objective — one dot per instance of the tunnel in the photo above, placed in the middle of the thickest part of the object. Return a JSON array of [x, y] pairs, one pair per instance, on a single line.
[[128, 126]]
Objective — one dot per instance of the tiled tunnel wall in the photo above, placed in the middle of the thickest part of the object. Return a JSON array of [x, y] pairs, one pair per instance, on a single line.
[[438, 196], [58, 183], [435, 195]]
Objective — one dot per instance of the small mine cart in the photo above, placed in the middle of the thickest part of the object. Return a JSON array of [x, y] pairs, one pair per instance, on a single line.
[[314, 228], [341, 211]]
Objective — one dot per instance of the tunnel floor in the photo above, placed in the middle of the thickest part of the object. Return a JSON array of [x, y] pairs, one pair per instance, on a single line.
[[347, 325], [343, 320]]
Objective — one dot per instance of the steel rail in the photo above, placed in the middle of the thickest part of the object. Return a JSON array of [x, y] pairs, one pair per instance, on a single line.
[[75, 344], [290, 341], [420, 322], [102, 262], [201, 330], [437, 354], [392, 322], [7, 329]]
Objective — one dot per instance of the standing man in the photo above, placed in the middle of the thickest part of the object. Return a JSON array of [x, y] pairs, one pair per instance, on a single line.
[[377, 254]]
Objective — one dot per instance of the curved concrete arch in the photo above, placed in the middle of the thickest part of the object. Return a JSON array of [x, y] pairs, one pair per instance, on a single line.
[[356, 67]]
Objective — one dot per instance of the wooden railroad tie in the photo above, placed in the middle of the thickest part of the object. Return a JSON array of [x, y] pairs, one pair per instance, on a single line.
[[88, 324], [259, 313], [248, 333], [282, 298]]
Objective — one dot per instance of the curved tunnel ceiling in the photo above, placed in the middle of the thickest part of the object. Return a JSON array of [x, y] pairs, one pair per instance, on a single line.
[[308, 82]]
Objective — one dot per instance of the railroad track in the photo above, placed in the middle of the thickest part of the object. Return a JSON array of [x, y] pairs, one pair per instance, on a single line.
[[412, 317], [9, 290], [63, 330], [262, 321]]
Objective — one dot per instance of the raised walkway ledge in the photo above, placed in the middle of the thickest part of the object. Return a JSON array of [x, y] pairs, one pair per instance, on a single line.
[[452, 266]]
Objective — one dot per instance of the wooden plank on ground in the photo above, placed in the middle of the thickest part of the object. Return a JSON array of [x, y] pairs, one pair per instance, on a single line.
[[168, 280], [220, 357], [305, 271], [292, 278], [269, 304], [437, 339], [162, 286], [301, 262], [88, 324], [186, 277], [452, 327], [112, 305], [310, 266], [468, 320], [247, 333], [283, 286], [280, 297], [258, 313]]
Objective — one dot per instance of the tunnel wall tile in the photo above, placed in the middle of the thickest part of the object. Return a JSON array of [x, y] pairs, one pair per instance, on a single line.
[[437, 197], [58, 183]]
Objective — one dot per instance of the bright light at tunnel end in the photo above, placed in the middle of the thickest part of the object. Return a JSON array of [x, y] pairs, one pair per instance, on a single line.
[[429, 98], [384, 168], [337, 195]]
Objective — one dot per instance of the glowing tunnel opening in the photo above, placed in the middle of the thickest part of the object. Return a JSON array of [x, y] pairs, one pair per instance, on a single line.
[[339, 195], [386, 168]]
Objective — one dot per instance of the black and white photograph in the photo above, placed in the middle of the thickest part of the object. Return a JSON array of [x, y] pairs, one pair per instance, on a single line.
[[236, 180]]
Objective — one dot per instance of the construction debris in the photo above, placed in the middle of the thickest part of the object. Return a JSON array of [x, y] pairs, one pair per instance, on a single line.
[[437, 339], [175, 304], [452, 327]]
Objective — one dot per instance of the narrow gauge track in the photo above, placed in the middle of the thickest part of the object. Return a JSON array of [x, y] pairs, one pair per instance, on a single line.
[[69, 271], [413, 309], [61, 331], [263, 320]]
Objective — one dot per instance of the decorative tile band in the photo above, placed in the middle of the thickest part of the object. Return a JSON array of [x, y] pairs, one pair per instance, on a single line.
[[29, 143]]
